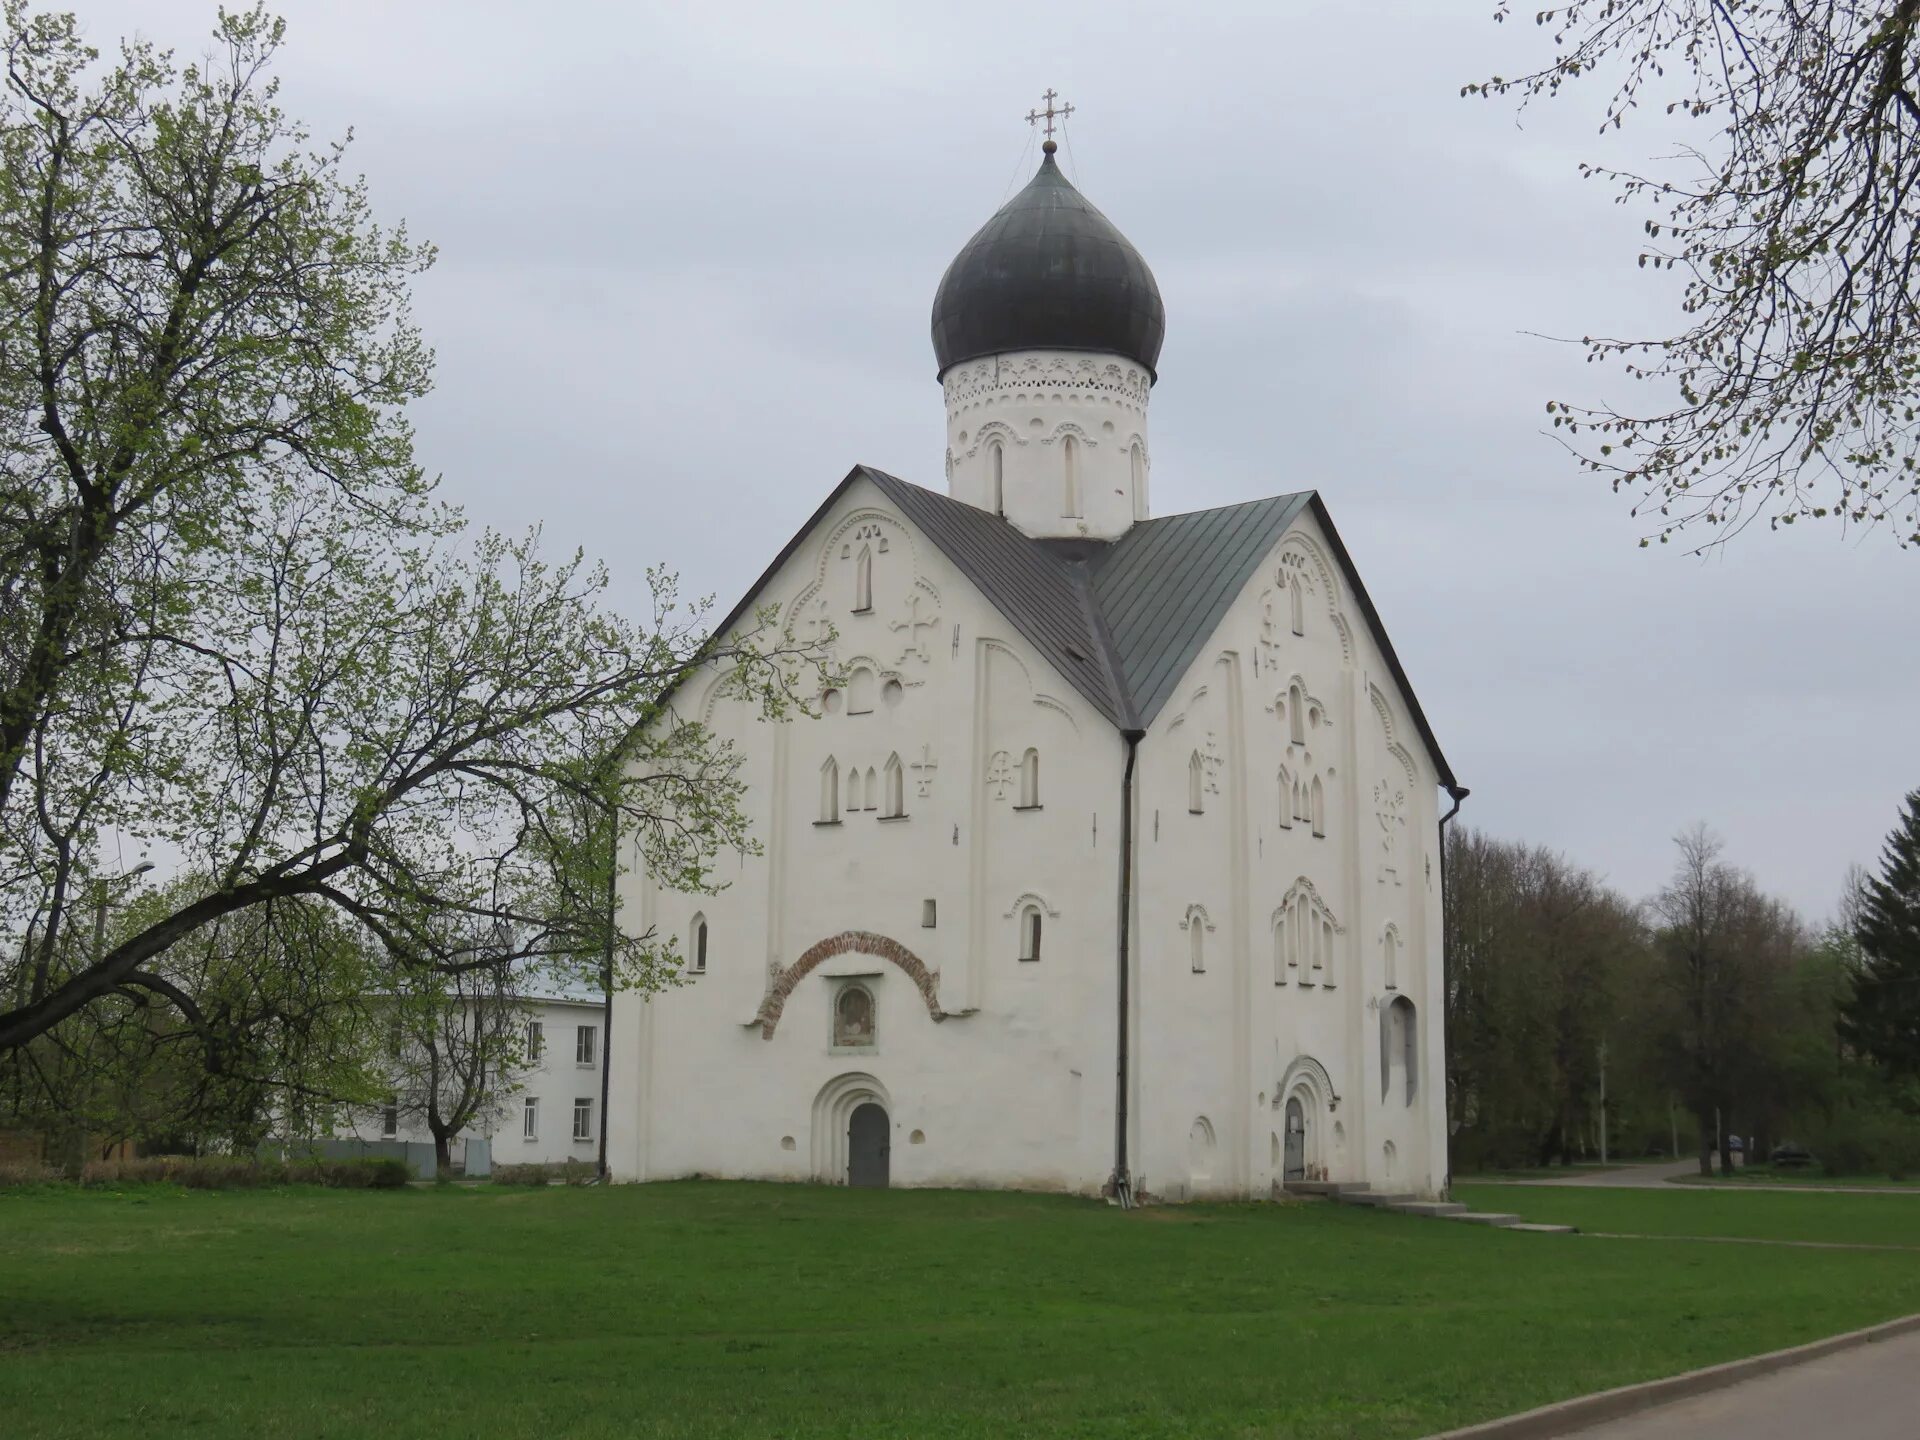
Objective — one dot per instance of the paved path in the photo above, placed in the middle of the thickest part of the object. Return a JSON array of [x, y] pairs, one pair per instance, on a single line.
[[1867, 1393], [1662, 1176]]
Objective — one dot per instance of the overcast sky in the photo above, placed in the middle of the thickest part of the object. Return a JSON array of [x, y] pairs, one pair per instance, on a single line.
[[687, 257]]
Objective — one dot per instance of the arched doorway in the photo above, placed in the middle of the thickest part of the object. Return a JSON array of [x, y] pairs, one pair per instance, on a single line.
[[1295, 1167], [868, 1146]]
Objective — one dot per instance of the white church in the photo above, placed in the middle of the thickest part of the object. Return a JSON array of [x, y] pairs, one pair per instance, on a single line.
[[1114, 865]]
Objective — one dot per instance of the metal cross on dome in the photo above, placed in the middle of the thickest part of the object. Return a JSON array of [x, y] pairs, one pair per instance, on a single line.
[[1034, 117]]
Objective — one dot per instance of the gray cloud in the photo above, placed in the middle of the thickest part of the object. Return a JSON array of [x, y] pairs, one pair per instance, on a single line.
[[688, 256]]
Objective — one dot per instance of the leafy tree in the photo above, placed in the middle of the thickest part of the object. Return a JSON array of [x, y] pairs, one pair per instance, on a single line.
[[459, 1047], [1794, 226], [1725, 953], [1881, 1018], [235, 619]]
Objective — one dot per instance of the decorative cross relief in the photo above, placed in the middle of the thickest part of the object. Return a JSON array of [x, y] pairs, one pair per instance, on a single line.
[[1268, 651], [923, 770], [914, 624], [999, 774], [1390, 806], [808, 622], [1210, 762]]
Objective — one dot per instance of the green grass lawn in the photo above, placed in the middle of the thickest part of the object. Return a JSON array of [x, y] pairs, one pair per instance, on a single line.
[[1761, 1175], [711, 1309]]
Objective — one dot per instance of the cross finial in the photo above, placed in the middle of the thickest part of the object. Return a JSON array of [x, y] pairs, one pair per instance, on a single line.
[[1050, 114]]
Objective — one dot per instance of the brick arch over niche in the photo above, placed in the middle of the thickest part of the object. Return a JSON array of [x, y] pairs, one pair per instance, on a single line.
[[847, 942]]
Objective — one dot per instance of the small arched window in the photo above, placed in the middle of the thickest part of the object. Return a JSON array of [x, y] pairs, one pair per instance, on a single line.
[[860, 691], [1070, 492], [863, 581], [1137, 461], [1399, 1049], [997, 477], [853, 790], [1318, 805], [1196, 785], [1297, 601], [697, 945], [1030, 780], [830, 792], [896, 802], [1297, 714], [1326, 952], [1286, 799], [1280, 948], [1390, 955], [1030, 933], [872, 791], [1197, 941]]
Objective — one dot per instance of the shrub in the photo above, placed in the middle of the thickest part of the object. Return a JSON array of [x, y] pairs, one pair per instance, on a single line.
[[235, 1172], [26, 1172], [570, 1172]]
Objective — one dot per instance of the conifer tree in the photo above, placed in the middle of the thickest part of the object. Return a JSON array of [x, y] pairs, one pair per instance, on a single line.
[[1882, 1018]]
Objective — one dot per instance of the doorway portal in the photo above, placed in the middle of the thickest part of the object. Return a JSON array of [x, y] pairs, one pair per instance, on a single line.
[[868, 1146], [1296, 1160]]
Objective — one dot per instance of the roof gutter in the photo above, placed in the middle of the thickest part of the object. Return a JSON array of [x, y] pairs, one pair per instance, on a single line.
[[1120, 1186], [1459, 794]]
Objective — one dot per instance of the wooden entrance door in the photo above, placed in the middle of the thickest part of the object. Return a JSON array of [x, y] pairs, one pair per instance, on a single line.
[[868, 1146], [1295, 1167]]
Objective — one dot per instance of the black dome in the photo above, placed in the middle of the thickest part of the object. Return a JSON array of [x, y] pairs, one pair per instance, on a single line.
[[1048, 272]]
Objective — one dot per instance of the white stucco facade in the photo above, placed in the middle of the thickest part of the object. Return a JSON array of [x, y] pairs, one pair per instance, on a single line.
[[999, 1070]]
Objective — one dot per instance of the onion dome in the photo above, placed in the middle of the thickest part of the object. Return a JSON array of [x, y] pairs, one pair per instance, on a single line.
[[1048, 272]]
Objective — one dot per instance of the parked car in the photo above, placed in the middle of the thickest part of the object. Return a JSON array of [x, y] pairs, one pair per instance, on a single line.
[[1790, 1155]]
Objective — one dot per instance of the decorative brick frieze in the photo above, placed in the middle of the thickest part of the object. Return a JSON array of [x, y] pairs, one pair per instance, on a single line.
[[848, 942]]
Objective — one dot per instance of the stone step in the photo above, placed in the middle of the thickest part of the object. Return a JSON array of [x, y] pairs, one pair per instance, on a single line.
[[1324, 1187], [1483, 1217], [1377, 1200], [1434, 1209], [1534, 1228]]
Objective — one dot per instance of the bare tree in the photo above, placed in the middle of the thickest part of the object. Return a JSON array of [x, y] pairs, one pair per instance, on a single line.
[[461, 1047], [1793, 222]]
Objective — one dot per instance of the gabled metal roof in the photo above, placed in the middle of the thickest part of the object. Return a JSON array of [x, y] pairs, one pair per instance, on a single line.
[[1120, 621]]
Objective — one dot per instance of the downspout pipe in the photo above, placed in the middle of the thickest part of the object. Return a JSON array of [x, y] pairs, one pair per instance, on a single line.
[[1120, 1186], [1459, 794]]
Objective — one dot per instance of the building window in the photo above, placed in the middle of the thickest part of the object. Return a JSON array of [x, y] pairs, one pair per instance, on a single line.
[[1196, 785], [860, 691], [929, 914], [896, 787], [1197, 942], [536, 1041], [1286, 799], [863, 581], [1297, 714], [1297, 600], [390, 1118], [1137, 462], [853, 1018], [1030, 780], [585, 1044], [830, 792], [1390, 948], [530, 1118], [1317, 805], [873, 789], [1070, 496], [697, 945], [997, 473], [1030, 933], [583, 1118]]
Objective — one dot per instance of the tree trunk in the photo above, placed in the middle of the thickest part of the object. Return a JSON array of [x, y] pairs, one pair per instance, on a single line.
[[1705, 1123], [442, 1155]]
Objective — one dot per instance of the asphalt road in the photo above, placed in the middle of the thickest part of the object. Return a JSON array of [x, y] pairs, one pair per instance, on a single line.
[[1871, 1392]]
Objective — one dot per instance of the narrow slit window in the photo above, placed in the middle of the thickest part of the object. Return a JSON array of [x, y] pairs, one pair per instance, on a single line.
[[896, 784], [697, 945], [1317, 803], [1196, 785], [863, 580], [1070, 497], [1030, 933], [997, 477], [830, 792], [1030, 780]]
